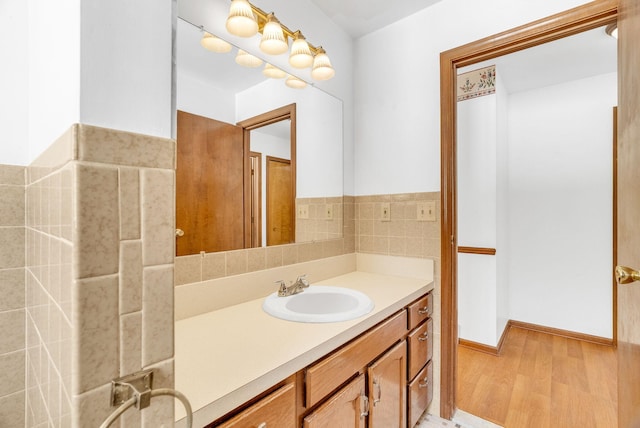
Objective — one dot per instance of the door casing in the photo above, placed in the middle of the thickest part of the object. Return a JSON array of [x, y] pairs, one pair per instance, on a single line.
[[573, 21]]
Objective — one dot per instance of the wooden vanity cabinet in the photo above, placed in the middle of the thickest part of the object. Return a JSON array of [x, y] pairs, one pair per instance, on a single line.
[[347, 408], [382, 378], [387, 389], [276, 410]]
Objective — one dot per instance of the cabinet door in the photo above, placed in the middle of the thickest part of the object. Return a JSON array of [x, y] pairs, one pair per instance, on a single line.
[[387, 388], [420, 394], [276, 410], [345, 409]]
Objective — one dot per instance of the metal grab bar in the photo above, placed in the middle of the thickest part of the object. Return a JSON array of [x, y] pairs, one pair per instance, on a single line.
[[153, 393]]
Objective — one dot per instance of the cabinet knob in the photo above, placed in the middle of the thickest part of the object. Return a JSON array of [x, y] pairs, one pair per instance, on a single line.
[[424, 383], [424, 311], [262, 425], [424, 336]]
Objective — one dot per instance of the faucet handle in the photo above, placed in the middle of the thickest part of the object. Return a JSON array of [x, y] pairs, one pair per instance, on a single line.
[[282, 290], [302, 279]]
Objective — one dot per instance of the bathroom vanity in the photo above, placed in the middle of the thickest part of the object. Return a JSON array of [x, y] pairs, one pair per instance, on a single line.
[[241, 367]]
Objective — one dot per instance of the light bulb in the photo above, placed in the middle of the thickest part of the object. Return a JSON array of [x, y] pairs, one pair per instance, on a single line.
[[241, 21], [273, 41], [295, 83], [300, 56], [214, 44], [273, 72], [322, 69], [247, 60]]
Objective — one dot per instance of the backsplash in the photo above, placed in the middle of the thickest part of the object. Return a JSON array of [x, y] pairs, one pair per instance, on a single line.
[[12, 300], [207, 266], [99, 282]]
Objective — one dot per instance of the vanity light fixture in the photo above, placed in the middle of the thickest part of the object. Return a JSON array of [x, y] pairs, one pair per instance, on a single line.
[[273, 72], [245, 59], [246, 20], [214, 44], [612, 30], [241, 21]]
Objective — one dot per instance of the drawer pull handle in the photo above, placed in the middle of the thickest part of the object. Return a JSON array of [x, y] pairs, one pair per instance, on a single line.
[[262, 425], [424, 311], [424, 383], [424, 336], [376, 385], [364, 406]]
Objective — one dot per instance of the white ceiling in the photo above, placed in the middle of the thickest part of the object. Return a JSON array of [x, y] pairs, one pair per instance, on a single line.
[[359, 17]]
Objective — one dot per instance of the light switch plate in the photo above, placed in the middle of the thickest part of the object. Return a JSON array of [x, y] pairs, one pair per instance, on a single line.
[[427, 211], [303, 211], [328, 211], [385, 211]]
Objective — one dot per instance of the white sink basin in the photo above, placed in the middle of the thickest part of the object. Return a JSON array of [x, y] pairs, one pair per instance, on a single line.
[[319, 303]]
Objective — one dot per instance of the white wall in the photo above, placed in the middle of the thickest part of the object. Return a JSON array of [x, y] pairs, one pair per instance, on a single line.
[[196, 97], [560, 194], [319, 154], [102, 63], [397, 89]]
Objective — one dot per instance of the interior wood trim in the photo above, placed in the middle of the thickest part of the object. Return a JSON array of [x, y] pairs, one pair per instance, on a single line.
[[264, 119], [572, 21], [477, 250], [562, 333], [487, 349], [615, 226]]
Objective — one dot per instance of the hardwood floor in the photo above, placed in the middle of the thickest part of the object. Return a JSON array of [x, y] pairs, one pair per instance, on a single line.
[[540, 380]]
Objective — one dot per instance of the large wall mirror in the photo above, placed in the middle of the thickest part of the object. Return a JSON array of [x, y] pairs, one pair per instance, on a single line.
[[259, 163]]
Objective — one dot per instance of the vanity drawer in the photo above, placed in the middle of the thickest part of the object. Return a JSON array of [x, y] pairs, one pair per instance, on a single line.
[[420, 347], [420, 310], [420, 394], [277, 409], [331, 372]]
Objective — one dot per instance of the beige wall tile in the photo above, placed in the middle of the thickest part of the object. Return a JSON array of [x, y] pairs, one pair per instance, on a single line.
[[130, 286], [161, 411], [12, 252], [12, 410], [97, 241], [95, 318], [236, 262], [12, 373], [12, 209], [129, 180], [188, 269], [12, 289], [309, 251], [90, 408], [130, 343], [274, 256], [213, 266], [111, 146], [256, 259], [158, 217], [12, 174], [12, 331], [157, 314]]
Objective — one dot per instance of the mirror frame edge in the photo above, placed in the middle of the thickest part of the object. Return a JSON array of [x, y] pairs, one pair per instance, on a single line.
[[588, 16]]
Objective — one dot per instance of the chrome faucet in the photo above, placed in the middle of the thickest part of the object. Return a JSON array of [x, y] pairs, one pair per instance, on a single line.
[[295, 288]]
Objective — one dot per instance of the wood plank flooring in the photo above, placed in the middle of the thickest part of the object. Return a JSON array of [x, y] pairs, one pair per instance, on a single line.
[[540, 380]]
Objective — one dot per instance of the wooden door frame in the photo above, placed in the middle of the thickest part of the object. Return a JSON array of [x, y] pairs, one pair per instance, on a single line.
[[256, 199], [570, 22], [264, 119]]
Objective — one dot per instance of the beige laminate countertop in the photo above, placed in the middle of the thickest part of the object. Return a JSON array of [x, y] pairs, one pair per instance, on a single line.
[[226, 357]]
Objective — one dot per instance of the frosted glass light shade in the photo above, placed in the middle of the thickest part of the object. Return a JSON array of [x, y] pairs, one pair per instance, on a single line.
[[214, 44], [247, 60], [273, 41], [322, 69], [300, 56], [241, 21], [295, 83], [273, 72]]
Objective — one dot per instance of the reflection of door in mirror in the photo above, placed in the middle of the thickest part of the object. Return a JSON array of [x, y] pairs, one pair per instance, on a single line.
[[279, 202], [209, 185], [256, 198]]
